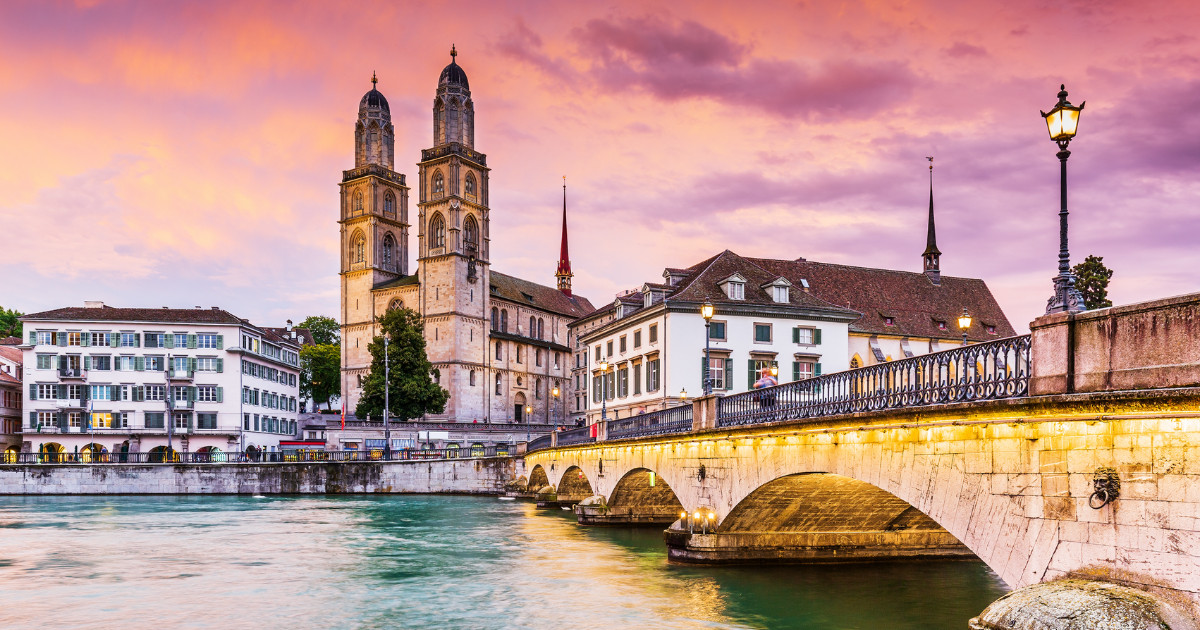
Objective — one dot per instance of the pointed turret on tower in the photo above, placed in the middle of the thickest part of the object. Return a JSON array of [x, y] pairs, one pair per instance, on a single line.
[[564, 274], [932, 256]]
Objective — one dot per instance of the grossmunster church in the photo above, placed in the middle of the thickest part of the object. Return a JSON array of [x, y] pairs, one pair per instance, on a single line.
[[499, 342]]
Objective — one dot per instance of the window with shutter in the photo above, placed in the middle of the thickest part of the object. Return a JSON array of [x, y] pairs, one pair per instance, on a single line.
[[817, 337]]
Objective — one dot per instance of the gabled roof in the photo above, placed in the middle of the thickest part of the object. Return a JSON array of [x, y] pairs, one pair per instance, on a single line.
[[152, 315], [11, 353], [539, 296], [704, 279], [913, 302]]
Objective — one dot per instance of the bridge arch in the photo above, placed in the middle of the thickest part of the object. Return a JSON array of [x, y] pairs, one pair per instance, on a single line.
[[537, 479], [815, 517], [574, 485]]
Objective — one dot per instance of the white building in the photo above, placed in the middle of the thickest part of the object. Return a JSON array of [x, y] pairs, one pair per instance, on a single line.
[[10, 401], [655, 346], [100, 379]]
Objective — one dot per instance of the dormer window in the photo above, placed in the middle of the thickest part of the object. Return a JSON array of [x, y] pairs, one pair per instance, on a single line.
[[779, 289], [734, 287], [889, 321], [780, 294], [941, 325]]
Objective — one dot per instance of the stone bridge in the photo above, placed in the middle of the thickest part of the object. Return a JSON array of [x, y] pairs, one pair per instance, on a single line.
[[1109, 402]]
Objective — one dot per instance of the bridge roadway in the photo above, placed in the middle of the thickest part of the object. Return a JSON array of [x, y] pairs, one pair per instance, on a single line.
[[1008, 475]]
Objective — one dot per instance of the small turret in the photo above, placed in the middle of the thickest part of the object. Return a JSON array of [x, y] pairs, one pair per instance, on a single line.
[[932, 256]]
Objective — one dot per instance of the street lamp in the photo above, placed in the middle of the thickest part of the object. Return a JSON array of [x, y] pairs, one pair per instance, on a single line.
[[528, 413], [964, 322], [1062, 122], [387, 428], [553, 411], [774, 370], [706, 311], [604, 388], [683, 395]]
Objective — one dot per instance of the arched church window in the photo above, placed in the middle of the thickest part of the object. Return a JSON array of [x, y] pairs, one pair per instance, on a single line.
[[537, 389], [532, 332], [439, 184], [499, 351], [358, 202], [497, 383], [541, 331], [471, 235], [495, 318], [469, 186], [472, 378], [395, 304], [504, 320], [437, 231], [389, 244], [359, 252], [389, 202], [519, 381]]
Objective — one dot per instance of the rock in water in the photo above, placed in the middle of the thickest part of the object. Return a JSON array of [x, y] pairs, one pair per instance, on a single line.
[[1080, 605]]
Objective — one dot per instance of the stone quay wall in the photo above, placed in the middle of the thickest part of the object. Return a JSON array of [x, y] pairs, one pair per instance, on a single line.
[[469, 476]]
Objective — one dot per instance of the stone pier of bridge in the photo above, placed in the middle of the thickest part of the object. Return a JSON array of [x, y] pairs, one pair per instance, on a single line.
[[1113, 400]]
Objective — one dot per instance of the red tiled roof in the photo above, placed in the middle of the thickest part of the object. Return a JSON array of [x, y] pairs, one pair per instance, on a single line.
[[155, 315], [12, 354], [913, 302], [10, 341], [539, 296], [283, 333], [704, 279], [8, 379]]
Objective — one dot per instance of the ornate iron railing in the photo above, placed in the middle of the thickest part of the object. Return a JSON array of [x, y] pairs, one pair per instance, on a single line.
[[582, 435], [673, 420], [986, 371], [538, 443]]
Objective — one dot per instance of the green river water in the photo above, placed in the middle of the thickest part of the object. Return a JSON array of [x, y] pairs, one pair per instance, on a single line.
[[421, 562]]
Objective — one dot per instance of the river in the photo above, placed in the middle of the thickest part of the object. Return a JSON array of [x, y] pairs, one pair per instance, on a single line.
[[424, 562]]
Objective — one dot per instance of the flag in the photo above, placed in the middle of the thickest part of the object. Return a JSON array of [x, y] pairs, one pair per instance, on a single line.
[[343, 415], [87, 423]]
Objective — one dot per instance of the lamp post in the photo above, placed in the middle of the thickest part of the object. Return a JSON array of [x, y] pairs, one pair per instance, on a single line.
[[1062, 123], [706, 311], [964, 322], [604, 388], [528, 413], [683, 395], [387, 429], [554, 403]]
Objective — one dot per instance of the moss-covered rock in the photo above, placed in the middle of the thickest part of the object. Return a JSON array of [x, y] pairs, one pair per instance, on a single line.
[[1074, 604]]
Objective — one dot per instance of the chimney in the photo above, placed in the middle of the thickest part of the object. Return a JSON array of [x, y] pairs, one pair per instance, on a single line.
[[289, 325]]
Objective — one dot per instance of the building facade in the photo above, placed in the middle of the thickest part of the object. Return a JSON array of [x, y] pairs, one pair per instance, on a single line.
[[141, 380], [653, 341], [500, 344], [11, 362]]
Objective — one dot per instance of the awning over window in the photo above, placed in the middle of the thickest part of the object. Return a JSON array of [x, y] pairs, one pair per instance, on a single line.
[[904, 347]]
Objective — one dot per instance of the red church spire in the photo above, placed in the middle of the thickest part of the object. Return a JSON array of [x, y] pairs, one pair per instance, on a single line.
[[564, 274]]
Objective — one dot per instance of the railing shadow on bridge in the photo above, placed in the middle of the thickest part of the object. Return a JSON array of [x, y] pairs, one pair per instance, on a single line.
[[991, 370]]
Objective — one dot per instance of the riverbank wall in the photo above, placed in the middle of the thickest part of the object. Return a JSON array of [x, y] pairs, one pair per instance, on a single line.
[[464, 476]]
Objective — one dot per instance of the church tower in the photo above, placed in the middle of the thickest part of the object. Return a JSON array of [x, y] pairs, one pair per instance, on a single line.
[[374, 233], [563, 274], [453, 252]]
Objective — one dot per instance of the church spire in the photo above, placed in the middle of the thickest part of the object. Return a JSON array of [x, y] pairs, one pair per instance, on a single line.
[[932, 255], [564, 274]]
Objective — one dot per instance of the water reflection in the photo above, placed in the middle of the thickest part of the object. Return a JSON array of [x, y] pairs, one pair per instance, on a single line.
[[420, 561]]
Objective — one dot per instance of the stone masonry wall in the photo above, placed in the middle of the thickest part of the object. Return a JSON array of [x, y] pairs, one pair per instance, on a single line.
[[476, 476]]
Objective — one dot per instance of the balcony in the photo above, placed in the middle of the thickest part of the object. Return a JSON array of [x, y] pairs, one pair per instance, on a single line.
[[72, 374], [175, 374]]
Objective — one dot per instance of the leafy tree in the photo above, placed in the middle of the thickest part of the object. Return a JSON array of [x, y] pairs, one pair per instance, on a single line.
[[325, 330], [412, 390], [321, 373], [10, 326], [1091, 278]]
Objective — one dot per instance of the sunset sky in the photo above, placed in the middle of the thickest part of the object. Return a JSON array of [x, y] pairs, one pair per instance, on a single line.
[[188, 153]]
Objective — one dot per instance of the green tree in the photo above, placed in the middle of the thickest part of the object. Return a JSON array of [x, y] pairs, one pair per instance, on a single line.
[[1091, 278], [10, 326], [325, 330], [413, 391], [321, 373]]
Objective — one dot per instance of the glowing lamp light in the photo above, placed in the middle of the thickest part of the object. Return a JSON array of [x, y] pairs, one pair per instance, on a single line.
[[964, 322], [683, 395], [711, 516], [706, 310], [697, 516], [604, 365], [555, 391], [774, 370], [1063, 121]]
